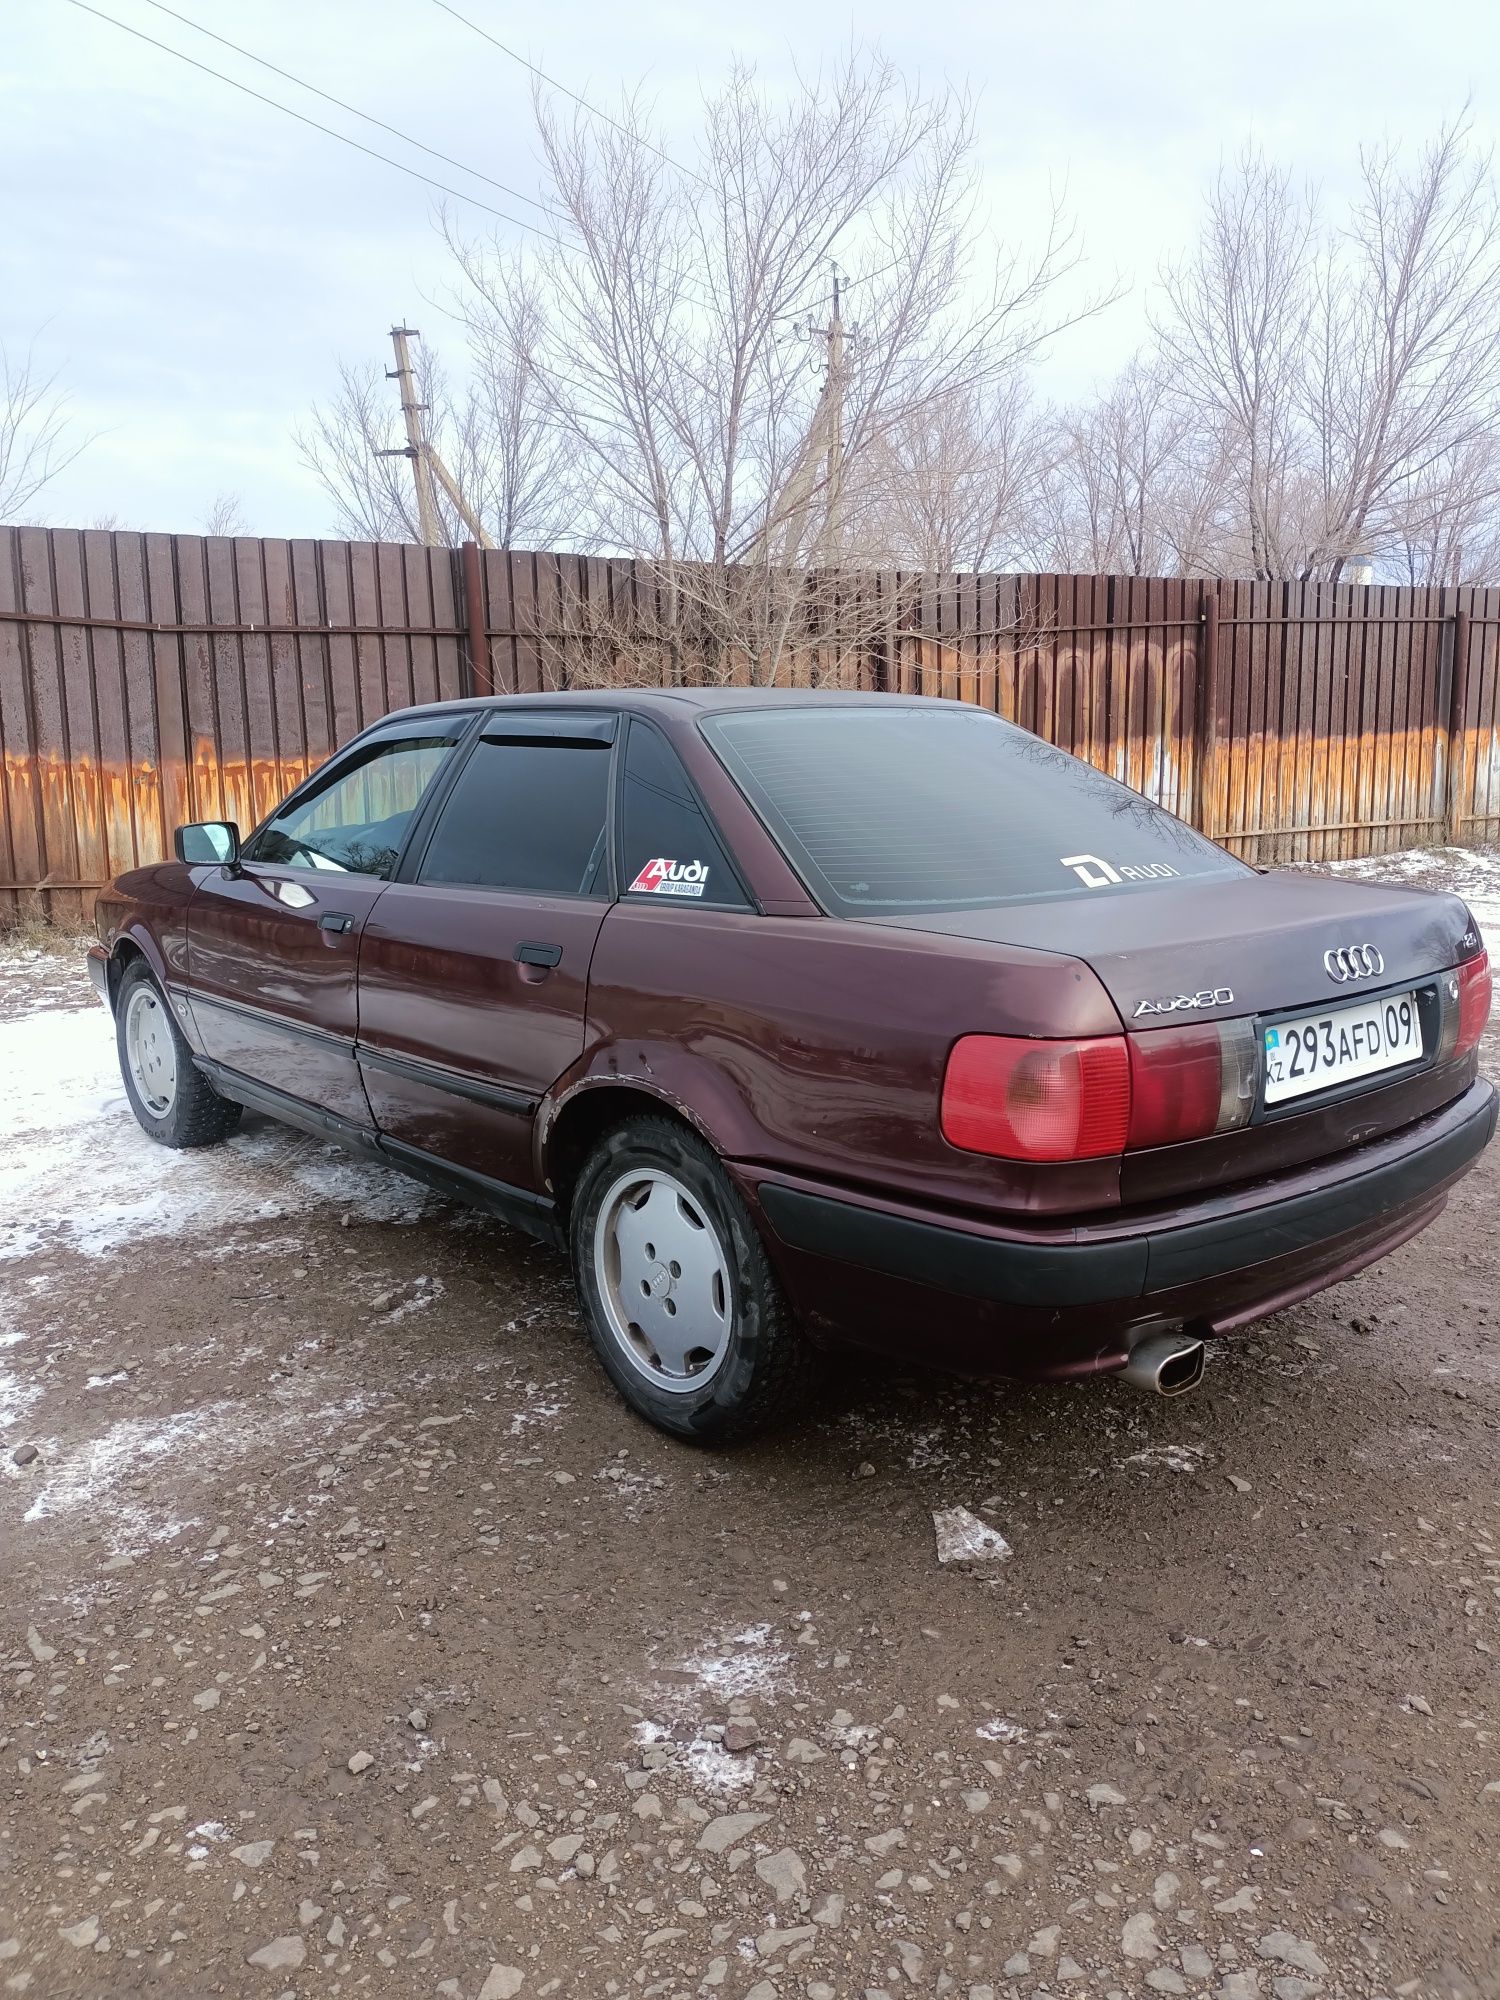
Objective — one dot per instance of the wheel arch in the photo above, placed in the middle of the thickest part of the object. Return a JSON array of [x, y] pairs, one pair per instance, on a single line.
[[568, 1133], [129, 947]]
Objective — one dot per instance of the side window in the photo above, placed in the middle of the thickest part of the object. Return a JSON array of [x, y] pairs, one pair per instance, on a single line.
[[668, 848], [354, 818], [525, 816]]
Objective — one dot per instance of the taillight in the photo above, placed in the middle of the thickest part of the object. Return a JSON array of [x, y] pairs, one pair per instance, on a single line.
[[1474, 994], [1032, 1100], [1188, 1083], [1018, 1099]]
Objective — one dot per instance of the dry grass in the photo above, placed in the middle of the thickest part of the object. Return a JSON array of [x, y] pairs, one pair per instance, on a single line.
[[30, 931]]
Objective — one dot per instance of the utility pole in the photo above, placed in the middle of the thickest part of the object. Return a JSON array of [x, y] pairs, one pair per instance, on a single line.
[[833, 389], [429, 526], [819, 463], [426, 466]]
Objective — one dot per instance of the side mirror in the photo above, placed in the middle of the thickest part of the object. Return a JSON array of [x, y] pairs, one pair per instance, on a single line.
[[208, 842]]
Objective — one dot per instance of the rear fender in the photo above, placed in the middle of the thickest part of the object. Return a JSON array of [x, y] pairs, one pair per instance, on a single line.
[[690, 1087]]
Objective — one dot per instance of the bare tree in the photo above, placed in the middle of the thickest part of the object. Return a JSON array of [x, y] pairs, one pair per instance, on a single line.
[[1234, 333], [1406, 370], [37, 439], [225, 516], [735, 417], [1450, 518], [957, 486], [494, 436], [1345, 366], [1135, 483]]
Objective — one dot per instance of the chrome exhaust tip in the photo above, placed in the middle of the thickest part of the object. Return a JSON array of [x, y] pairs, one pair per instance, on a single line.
[[1169, 1364]]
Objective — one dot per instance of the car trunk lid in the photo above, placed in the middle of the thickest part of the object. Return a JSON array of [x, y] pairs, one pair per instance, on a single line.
[[1243, 945]]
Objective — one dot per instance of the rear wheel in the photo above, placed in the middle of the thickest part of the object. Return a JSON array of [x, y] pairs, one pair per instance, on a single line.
[[173, 1101], [682, 1305]]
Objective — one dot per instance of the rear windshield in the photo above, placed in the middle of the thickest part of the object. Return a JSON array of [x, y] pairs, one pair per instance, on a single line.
[[893, 810]]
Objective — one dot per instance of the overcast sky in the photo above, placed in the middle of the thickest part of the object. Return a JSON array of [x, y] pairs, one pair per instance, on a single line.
[[195, 264]]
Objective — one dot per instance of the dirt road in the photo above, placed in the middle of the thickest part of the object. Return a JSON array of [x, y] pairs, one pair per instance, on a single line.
[[357, 1641]]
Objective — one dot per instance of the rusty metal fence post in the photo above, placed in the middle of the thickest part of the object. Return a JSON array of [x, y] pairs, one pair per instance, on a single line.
[[1206, 709], [481, 675], [1454, 760]]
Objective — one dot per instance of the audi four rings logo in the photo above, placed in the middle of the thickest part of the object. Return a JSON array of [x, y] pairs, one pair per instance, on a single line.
[[1353, 961]]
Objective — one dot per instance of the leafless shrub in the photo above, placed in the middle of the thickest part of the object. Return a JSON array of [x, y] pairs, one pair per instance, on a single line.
[[225, 516], [37, 436]]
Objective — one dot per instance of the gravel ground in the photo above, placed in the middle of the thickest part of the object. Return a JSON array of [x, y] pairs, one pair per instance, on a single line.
[[356, 1640]]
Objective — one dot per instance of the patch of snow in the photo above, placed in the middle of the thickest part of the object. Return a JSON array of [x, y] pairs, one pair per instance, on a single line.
[[541, 1406], [1001, 1730], [747, 1664], [426, 1292], [963, 1538], [1169, 1458], [16, 1398], [77, 1170], [712, 1768], [103, 1477]]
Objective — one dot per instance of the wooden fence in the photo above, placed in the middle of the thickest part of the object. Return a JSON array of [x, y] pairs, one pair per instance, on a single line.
[[150, 679]]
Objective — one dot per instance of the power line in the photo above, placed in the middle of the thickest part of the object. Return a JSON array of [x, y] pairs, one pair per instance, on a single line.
[[552, 83], [303, 119], [353, 109]]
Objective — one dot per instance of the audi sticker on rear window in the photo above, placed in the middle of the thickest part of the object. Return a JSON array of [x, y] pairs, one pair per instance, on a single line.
[[671, 878], [1096, 874]]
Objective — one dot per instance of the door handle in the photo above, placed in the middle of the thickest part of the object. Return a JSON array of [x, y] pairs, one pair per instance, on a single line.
[[336, 920], [538, 954]]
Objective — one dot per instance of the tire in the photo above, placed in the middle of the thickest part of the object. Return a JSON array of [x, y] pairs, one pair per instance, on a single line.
[[708, 1280], [174, 1103]]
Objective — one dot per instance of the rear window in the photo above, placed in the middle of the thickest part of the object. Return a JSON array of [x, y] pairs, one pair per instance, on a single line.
[[898, 809]]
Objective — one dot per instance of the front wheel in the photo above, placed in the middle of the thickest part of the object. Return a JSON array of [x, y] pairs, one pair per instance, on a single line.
[[173, 1101], [682, 1305]]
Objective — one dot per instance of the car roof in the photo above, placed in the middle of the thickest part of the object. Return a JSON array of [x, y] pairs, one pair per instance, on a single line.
[[702, 700]]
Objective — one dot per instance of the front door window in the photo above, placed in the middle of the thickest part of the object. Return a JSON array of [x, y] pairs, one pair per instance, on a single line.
[[352, 820]]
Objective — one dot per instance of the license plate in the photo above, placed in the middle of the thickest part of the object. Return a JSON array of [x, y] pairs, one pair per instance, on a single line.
[[1321, 1051]]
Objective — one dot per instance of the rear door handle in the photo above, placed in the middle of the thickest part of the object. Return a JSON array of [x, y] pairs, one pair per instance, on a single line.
[[335, 920], [538, 954]]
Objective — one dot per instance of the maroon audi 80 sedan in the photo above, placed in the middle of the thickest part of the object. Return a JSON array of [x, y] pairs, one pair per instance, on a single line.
[[799, 1018]]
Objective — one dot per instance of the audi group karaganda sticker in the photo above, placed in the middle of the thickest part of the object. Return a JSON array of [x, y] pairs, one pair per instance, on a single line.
[[671, 878]]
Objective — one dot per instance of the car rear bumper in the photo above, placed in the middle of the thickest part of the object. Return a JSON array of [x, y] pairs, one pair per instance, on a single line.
[[1033, 1301]]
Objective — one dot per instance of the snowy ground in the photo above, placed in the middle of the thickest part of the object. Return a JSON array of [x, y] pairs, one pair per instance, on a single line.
[[300, 1465]]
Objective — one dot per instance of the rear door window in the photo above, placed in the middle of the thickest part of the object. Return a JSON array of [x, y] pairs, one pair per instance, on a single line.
[[668, 849], [526, 815], [896, 809]]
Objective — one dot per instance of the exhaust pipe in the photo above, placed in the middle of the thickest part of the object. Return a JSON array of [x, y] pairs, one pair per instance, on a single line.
[[1168, 1363]]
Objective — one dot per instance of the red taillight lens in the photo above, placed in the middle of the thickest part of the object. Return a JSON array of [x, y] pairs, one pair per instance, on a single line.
[[1474, 994], [1186, 1083], [1030, 1100]]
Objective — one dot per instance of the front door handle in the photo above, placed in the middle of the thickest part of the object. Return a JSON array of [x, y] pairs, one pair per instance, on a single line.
[[538, 954], [336, 920]]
